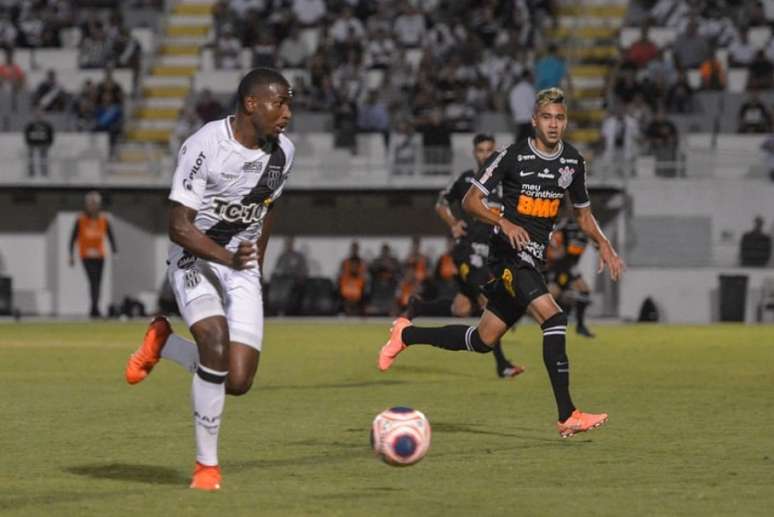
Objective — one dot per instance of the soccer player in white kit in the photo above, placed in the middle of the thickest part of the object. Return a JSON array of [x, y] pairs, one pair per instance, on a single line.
[[228, 176]]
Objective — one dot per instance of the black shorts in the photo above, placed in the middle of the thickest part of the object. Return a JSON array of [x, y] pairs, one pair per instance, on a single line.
[[514, 285], [472, 271]]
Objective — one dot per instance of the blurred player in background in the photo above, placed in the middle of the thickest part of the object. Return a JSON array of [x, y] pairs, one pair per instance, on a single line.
[[90, 230], [565, 283], [229, 174], [535, 174], [470, 253]]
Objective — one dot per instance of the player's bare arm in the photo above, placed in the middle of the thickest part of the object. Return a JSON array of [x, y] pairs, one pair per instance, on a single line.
[[457, 226], [607, 255], [263, 240], [183, 233], [473, 203]]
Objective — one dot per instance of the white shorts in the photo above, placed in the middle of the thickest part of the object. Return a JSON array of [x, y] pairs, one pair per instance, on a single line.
[[205, 289]]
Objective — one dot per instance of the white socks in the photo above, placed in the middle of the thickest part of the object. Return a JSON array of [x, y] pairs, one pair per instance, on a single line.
[[207, 394], [181, 351]]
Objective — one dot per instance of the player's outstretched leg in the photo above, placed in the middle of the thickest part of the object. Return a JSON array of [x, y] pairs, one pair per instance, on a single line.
[[451, 337], [208, 394], [142, 361]]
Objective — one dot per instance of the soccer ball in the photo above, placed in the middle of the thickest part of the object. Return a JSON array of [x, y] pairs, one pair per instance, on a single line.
[[400, 436]]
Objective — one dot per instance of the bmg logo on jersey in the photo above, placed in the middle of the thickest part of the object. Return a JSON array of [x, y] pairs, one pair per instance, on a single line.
[[237, 212], [188, 180]]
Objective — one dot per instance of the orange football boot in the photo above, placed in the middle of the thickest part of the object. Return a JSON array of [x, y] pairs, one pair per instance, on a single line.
[[394, 345], [580, 422], [145, 358], [206, 477]]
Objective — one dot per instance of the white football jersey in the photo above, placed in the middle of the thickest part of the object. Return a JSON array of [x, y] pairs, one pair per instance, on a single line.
[[230, 186]]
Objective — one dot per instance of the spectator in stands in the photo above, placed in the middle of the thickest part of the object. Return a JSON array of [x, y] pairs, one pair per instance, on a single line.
[[662, 70], [310, 14], [109, 117], [49, 95], [379, 50], [373, 116], [385, 267], [12, 77], [754, 116], [679, 98], [410, 26], [291, 262], [95, 50], [404, 150], [85, 106], [347, 31], [188, 123], [208, 108], [352, 281], [436, 142], [109, 85], [761, 73], [741, 53], [39, 136], [620, 133], [755, 246], [768, 148], [522, 102], [663, 141], [228, 51], [294, 51], [642, 51], [713, 77], [127, 53], [8, 31], [626, 85], [551, 70], [264, 50], [690, 48]]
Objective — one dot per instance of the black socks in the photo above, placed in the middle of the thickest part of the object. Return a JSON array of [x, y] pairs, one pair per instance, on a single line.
[[557, 364], [450, 337]]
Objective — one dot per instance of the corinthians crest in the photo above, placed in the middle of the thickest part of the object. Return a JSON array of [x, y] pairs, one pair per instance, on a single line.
[[273, 176], [565, 176]]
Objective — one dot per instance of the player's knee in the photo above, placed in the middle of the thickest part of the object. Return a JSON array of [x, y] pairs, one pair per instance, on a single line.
[[238, 385], [557, 320], [475, 343], [215, 340]]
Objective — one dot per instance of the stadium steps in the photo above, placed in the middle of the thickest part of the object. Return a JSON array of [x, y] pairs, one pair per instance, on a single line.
[[167, 85], [588, 34]]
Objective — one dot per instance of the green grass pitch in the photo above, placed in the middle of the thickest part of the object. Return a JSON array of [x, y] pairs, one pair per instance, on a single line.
[[691, 428]]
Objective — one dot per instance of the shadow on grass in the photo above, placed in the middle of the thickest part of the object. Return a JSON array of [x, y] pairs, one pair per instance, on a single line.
[[151, 474], [16, 503], [338, 385]]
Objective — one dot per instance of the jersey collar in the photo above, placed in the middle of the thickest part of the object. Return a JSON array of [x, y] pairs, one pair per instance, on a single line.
[[544, 156]]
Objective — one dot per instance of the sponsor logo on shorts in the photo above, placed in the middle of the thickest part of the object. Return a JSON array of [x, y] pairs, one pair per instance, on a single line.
[[186, 261], [192, 278]]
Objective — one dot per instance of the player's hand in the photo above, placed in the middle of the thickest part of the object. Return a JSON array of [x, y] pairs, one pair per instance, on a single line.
[[516, 234], [245, 257], [608, 257], [458, 229]]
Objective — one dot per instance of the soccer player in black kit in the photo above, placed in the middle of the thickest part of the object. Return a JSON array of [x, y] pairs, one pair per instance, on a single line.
[[471, 249], [535, 174], [565, 282]]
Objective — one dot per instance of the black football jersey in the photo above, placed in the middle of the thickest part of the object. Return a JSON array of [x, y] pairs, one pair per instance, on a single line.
[[533, 185], [477, 232], [573, 242]]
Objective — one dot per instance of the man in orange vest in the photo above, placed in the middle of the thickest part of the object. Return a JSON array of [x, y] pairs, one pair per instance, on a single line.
[[90, 230]]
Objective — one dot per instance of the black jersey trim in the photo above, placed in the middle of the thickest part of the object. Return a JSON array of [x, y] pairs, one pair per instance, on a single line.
[[479, 186], [544, 156]]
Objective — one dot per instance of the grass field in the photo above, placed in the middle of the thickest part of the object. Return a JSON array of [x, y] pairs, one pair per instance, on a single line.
[[690, 431]]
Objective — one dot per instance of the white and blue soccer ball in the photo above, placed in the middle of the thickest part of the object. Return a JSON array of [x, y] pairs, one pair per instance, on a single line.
[[400, 436]]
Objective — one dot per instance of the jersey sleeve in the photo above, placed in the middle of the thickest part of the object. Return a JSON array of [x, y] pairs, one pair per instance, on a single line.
[[455, 191], [190, 177], [494, 169], [579, 194]]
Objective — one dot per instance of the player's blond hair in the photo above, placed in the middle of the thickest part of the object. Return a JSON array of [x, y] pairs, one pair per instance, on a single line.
[[549, 96]]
